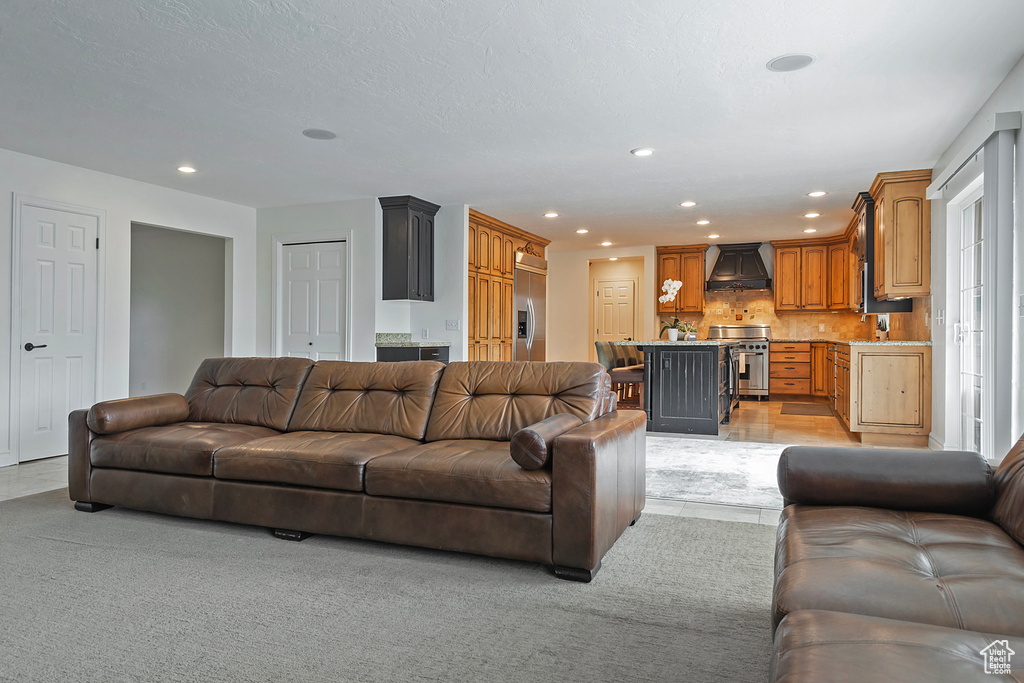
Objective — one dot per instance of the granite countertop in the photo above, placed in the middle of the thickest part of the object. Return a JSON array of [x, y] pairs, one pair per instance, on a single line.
[[404, 340], [857, 342], [665, 342]]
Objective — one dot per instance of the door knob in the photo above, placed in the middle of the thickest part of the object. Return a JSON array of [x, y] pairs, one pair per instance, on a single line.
[[29, 346]]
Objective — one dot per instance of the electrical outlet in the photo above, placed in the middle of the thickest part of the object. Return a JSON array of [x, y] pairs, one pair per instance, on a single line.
[[719, 311], [451, 325], [821, 327], [426, 332]]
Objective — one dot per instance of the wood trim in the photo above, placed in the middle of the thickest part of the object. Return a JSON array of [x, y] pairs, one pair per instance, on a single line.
[[814, 242], [675, 249], [491, 222], [881, 179]]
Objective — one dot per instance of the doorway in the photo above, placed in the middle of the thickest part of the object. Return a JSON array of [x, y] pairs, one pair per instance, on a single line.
[[57, 313], [311, 317], [177, 307], [616, 314]]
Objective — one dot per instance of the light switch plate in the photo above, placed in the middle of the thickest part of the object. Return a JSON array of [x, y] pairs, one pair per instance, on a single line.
[[451, 325], [821, 327]]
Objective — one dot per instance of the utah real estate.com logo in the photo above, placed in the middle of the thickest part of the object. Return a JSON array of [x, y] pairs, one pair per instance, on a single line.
[[997, 657]]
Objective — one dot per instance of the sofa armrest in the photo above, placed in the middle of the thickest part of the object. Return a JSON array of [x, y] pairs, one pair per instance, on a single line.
[[122, 415], [597, 486], [954, 482], [79, 468], [531, 446]]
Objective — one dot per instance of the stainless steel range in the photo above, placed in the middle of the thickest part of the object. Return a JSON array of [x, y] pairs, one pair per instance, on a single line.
[[750, 346]]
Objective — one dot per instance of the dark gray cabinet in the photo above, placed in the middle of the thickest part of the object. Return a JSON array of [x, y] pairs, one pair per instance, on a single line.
[[408, 248], [399, 353], [687, 388]]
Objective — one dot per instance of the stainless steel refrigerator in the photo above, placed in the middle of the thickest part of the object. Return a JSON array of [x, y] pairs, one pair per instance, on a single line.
[[529, 307]]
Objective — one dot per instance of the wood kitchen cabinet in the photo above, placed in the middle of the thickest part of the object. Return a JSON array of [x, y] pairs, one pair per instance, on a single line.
[[902, 235], [819, 369], [408, 260], [801, 275], [685, 263], [883, 392], [491, 271], [789, 368], [840, 273]]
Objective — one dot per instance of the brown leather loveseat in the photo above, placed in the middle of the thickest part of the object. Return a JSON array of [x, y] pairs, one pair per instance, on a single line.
[[414, 453], [899, 565]]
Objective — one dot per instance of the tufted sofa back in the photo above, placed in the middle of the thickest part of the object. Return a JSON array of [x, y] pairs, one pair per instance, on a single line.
[[378, 398], [253, 391], [493, 400], [1008, 511]]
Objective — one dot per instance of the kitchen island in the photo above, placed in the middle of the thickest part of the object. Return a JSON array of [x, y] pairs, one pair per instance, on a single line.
[[689, 386]]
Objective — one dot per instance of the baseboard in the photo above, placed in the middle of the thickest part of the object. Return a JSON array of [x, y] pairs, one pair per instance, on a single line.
[[7, 459], [935, 444]]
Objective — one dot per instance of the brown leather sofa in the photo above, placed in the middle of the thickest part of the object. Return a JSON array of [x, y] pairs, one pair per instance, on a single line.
[[415, 453], [898, 565]]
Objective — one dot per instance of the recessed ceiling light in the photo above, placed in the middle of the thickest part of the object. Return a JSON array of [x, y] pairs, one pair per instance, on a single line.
[[614, 258], [319, 134], [186, 169], [790, 62], [713, 237], [582, 231], [688, 204], [606, 244], [703, 222], [810, 230], [817, 193], [551, 214], [642, 152], [811, 215]]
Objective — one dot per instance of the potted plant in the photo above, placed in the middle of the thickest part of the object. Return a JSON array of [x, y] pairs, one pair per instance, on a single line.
[[671, 288]]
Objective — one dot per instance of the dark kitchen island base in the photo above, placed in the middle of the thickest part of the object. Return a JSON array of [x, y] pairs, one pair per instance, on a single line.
[[687, 386]]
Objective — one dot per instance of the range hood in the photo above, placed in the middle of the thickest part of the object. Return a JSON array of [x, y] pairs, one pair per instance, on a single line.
[[739, 268]]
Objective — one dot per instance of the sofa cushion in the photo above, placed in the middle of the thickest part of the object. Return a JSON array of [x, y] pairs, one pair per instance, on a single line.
[[471, 471], [494, 400], [183, 448], [377, 398], [254, 391], [1008, 511], [814, 646], [925, 567], [329, 460]]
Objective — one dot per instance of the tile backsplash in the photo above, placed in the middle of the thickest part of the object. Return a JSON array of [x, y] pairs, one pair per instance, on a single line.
[[758, 308]]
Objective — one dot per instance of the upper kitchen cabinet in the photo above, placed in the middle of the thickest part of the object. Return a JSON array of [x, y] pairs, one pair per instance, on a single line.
[[801, 274], [840, 271], [902, 231], [684, 263], [408, 248]]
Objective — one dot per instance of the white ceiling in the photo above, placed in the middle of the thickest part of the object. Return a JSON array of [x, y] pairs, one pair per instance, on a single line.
[[515, 107]]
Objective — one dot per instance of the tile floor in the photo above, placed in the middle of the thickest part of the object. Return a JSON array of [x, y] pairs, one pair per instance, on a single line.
[[759, 421], [33, 477]]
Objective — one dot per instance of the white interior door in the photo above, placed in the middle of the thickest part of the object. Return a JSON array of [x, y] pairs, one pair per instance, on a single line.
[[313, 300], [58, 326], [615, 311]]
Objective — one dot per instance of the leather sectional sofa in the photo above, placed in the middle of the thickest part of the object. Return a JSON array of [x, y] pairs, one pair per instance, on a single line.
[[898, 565], [414, 453]]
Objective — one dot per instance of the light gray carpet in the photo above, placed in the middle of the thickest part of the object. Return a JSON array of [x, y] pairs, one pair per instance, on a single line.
[[129, 596], [706, 471]]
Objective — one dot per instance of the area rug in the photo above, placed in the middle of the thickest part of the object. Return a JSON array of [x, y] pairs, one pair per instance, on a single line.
[[820, 409], [705, 471], [121, 595]]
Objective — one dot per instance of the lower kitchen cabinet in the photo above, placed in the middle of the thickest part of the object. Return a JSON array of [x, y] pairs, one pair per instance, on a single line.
[[687, 388], [883, 392], [400, 353], [789, 368], [819, 369]]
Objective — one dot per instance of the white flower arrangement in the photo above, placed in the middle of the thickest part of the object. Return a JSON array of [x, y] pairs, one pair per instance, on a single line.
[[671, 288]]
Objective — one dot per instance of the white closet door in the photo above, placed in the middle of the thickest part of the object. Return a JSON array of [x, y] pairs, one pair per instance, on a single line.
[[313, 294]]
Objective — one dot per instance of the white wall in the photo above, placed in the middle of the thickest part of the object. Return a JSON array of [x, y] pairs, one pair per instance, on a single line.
[[361, 222], [177, 308], [569, 299], [451, 280], [124, 201], [1009, 96]]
